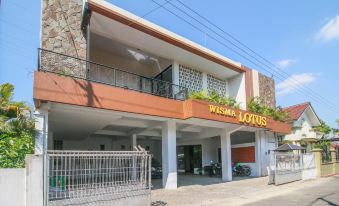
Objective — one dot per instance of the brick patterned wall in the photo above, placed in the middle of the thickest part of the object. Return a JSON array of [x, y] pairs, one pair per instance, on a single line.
[[243, 154], [61, 27], [267, 90], [61, 32]]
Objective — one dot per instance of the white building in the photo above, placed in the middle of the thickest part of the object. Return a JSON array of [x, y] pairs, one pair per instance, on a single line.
[[110, 80], [303, 119]]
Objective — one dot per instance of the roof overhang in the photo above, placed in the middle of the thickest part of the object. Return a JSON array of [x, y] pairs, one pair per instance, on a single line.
[[163, 39]]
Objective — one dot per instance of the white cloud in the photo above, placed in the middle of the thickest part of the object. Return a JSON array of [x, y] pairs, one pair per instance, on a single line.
[[293, 82], [282, 64], [329, 31]]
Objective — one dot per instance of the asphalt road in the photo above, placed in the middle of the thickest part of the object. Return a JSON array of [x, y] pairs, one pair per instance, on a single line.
[[319, 195]]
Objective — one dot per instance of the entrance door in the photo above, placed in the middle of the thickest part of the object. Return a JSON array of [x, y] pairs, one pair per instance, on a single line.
[[189, 157]]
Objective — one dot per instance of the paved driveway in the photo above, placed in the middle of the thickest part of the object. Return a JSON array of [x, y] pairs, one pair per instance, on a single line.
[[253, 191]]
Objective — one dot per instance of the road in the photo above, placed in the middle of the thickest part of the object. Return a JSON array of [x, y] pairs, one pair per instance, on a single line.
[[325, 193], [255, 191]]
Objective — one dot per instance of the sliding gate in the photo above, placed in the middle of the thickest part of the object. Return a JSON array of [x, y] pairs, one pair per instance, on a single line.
[[97, 178], [288, 167]]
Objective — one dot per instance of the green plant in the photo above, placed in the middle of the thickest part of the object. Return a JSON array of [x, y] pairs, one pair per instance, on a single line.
[[323, 128], [16, 129], [215, 97], [255, 105], [324, 145]]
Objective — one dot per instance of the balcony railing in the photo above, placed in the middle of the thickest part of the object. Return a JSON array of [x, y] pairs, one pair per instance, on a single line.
[[62, 64]]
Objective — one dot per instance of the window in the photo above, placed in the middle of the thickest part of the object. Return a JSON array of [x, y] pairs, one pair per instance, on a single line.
[[57, 144], [102, 147], [122, 147]]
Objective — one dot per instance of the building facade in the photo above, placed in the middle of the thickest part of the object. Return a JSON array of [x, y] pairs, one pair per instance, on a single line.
[[110, 80], [303, 119]]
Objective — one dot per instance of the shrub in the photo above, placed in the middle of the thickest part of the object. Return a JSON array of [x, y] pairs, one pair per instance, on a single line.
[[255, 105], [16, 130], [215, 97]]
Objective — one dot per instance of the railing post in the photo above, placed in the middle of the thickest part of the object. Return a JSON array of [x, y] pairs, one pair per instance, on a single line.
[[317, 156]]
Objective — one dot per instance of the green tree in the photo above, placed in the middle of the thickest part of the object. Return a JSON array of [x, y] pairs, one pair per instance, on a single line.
[[323, 128], [16, 129]]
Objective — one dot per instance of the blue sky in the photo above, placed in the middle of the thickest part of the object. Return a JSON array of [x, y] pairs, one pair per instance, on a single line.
[[301, 37]]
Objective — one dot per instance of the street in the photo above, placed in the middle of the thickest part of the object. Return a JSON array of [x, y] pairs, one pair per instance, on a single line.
[[255, 191], [326, 193]]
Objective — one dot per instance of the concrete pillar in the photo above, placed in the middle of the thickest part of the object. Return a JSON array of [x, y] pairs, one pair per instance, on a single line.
[[34, 180], [134, 141], [169, 155], [226, 159], [333, 155], [41, 128], [317, 158], [334, 160], [175, 73], [258, 151], [204, 81]]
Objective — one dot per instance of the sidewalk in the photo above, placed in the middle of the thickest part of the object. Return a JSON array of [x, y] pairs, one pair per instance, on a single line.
[[229, 193]]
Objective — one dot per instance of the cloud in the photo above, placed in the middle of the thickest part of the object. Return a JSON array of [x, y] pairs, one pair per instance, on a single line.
[[282, 64], [330, 31], [292, 83]]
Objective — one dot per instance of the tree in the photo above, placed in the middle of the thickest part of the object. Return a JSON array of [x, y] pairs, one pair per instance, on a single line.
[[16, 129], [323, 128]]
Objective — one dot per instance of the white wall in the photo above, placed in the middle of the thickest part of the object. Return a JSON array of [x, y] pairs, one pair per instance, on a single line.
[[128, 64], [154, 147], [13, 187], [268, 143], [237, 89], [92, 143], [113, 143], [23, 186]]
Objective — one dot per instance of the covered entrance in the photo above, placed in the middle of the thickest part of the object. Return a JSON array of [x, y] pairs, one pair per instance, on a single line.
[[189, 159], [187, 147]]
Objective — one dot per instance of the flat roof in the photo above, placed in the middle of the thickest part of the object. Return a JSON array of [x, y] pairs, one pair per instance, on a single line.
[[113, 12]]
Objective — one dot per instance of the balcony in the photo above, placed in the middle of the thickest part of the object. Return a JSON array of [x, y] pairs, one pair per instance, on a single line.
[[65, 65]]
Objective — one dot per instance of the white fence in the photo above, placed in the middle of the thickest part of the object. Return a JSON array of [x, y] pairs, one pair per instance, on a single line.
[[289, 167], [99, 178]]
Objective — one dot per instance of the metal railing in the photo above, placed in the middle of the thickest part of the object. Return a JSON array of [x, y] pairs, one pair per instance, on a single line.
[[81, 177], [62, 64]]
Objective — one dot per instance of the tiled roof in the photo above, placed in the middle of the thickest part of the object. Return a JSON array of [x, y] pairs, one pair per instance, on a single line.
[[295, 111]]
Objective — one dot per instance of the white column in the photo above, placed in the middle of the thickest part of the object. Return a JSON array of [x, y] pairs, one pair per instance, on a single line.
[[134, 141], [175, 73], [169, 155], [41, 128], [226, 155], [204, 81], [258, 152]]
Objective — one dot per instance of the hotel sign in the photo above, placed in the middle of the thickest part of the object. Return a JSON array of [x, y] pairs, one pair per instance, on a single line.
[[242, 117]]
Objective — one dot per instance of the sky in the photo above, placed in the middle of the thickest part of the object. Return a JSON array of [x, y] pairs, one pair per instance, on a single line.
[[299, 37]]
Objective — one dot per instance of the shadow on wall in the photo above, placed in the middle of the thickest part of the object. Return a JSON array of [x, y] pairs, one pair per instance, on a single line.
[[87, 87]]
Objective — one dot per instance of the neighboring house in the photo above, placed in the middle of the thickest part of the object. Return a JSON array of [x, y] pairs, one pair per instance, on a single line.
[[110, 80], [303, 119]]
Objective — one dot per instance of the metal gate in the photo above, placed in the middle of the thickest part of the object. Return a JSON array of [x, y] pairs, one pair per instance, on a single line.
[[97, 177], [289, 167]]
